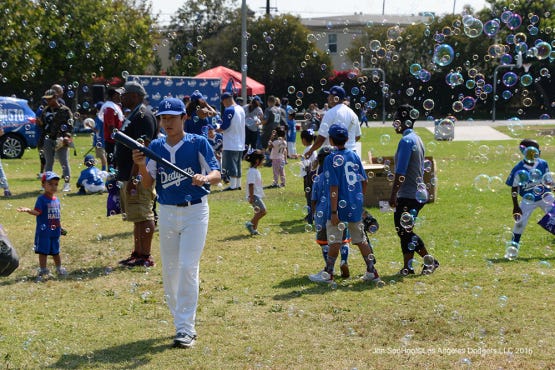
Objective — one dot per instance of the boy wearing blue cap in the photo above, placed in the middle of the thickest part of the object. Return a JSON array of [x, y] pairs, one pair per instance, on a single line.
[[528, 178], [49, 229], [91, 180], [345, 180], [184, 211]]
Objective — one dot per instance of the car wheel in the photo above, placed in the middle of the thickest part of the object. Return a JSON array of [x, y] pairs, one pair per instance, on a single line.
[[12, 146]]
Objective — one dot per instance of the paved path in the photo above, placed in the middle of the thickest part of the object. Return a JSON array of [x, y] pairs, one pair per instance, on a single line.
[[477, 130]]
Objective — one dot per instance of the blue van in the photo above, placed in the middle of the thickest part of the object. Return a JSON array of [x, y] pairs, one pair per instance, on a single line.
[[20, 129]]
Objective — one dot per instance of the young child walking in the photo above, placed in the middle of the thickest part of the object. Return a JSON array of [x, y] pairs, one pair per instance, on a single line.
[[320, 202], [255, 192], [525, 179], [345, 182], [278, 154], [49, 229]]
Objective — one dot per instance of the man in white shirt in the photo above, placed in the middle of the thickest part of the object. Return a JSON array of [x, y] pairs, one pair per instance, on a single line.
[[339, 113], [233, 131]]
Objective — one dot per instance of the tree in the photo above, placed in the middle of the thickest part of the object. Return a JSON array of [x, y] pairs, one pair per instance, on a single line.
[[73, 41], [475, 55], [280, 56], [195, 22]]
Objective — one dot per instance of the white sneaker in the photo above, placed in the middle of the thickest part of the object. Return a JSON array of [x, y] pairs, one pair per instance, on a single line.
[[184, 340], [371, 276], [66, 188], [321, 277], [61, 271]]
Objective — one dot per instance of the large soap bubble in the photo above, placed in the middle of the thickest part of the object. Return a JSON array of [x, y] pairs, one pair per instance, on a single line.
[[443, 55]]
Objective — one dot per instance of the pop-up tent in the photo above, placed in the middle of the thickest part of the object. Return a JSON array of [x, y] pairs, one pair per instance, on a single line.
[[233, 78]]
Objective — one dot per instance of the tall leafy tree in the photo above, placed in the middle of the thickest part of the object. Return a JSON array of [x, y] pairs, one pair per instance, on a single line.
[[72, 41], [196, 21]]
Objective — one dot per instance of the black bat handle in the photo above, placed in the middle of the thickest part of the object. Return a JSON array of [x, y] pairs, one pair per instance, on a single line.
[[133, 144]]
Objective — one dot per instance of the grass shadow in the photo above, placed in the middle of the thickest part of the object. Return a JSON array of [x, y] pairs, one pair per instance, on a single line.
[[131, 355], [293, 226], [24, 195], [305, 286], [524, 259]]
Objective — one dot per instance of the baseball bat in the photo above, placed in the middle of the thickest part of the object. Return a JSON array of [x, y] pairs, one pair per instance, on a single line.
[[122, 138]]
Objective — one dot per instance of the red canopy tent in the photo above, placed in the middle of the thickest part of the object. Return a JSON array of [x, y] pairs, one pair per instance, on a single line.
[[231, 77]]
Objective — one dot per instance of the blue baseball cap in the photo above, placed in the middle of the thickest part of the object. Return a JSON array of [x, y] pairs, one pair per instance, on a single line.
[[257, 98], [338, 132], [336, 91], [197, 95], [226, 95], [49, 175], [89, 159], [172, 106]]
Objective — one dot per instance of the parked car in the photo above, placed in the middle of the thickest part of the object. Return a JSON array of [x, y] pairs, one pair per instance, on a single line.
[[20, 130]]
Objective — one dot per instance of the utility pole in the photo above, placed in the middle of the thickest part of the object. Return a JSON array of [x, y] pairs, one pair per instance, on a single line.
[[267, 8], [383, 7], [244, 67]]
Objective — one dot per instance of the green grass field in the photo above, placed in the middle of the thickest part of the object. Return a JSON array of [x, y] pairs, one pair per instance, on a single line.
[[257, 307]]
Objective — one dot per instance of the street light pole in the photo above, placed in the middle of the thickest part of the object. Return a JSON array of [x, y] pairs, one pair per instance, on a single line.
[[511, 66], [244, 66], [382, 72]]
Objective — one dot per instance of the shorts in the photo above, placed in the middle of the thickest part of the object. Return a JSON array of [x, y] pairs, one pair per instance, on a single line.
[[137, 207], [258, 203], [322, 236], [356, 229], [48, 245], [100, 152]]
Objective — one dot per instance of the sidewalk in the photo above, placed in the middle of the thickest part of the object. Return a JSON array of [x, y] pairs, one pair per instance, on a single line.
[[476, 130]]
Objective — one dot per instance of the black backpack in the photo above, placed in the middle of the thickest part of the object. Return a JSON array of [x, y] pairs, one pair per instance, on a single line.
[[9, 260]]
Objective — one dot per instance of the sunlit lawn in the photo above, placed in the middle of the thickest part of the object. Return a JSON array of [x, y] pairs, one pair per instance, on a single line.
[[257, 307]]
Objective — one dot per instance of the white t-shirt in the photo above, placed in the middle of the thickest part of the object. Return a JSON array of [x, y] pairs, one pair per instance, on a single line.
[[341, 114], [233, 127], [306, 163], [254, 177]]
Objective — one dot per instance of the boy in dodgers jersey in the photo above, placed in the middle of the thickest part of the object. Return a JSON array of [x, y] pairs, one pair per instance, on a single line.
[[527, 180], [184, 212], [346, 180]]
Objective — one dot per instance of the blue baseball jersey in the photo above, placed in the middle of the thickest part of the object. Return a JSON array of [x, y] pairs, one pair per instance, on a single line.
[[291, 130], [98, 136], [197, 125], [194, 155], [320, 194], [344, 169], [216, 142], [528, 178], [92, 175], [49, 218]]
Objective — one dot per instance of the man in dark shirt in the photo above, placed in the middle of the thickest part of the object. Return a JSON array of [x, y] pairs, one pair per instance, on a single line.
[[56, 123], [136, 200]]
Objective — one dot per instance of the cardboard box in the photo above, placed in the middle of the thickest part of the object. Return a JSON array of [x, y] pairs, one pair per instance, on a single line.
[[380, 180]]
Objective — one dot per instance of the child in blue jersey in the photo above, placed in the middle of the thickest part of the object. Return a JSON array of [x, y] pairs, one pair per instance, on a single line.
[[345, 181], [291, 134], [49, 229], [255, 191], [216, 141], [91, 180], [184, 212], [320, 200], [530, 179], [409, 172]]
